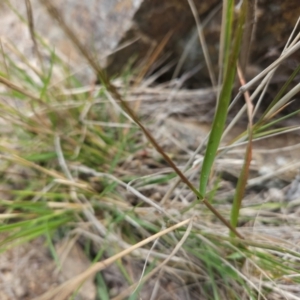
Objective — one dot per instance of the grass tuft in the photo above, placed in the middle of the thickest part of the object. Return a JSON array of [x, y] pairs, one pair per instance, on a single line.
[[90, 163]]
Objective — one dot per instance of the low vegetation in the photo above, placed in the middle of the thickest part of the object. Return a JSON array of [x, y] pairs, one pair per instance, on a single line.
[[84, 161]]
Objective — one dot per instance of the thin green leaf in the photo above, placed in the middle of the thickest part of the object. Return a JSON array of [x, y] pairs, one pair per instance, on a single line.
[[222, 106]]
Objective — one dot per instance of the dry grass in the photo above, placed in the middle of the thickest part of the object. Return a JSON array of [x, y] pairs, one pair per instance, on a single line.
[[75, 164]]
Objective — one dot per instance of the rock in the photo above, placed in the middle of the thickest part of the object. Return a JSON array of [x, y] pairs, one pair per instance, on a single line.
[[140, 26], [152, 22], [273, 22], [99, 24]]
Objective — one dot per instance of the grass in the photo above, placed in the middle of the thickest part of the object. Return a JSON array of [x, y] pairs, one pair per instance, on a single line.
[[74, 160]]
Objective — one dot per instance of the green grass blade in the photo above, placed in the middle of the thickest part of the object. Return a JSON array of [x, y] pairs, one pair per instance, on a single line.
[[102, 289], [281, 92], [225, 43], [221, 112], [47, 79]]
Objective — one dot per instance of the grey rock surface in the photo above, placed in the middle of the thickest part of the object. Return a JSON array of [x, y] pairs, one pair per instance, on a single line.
[[104, 26], [99, 25]]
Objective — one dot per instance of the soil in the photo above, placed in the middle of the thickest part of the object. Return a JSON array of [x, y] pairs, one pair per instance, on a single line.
[[26, 271], [29, 270]]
